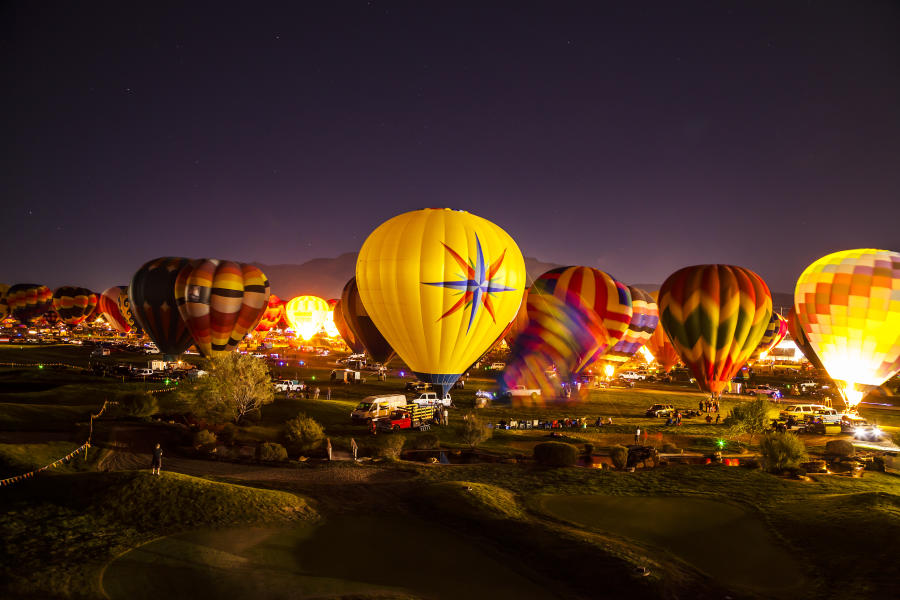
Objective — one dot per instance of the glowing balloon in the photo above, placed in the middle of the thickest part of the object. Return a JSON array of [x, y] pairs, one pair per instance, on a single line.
[[273, 315], [799, 337], [775, 331], [848, 304], [221, 301], [153, 303], [441, 285], [346, 333], [644, 319], [28, 301], [108, 304], [74, 304], [361, 325], [715, 316], [306, 315], [331, 329]]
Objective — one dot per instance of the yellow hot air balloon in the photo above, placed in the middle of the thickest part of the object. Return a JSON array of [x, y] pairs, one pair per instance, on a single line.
[[848, 304], [307, 315], [441, 286]]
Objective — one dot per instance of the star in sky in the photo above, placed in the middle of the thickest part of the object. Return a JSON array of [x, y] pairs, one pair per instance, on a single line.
[[476, 283]]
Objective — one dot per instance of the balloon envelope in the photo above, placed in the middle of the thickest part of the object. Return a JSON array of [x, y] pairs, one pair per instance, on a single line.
[[799, 337], [108, 304], [306, 315], [775, 331], [644, 319], [28, 301], [361, 325], [848, 304], [344, 329], [273, 314], [153, 303], [74, 304], [441, 286], [715, 316]]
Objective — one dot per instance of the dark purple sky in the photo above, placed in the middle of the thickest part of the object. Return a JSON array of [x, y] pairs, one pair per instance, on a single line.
[[636, 137]]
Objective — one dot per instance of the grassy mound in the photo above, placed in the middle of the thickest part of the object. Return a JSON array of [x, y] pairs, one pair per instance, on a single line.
[[59, 530], [474, 499]]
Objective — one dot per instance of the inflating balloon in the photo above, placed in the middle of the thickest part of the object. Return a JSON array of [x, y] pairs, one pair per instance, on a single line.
[[74, 304], [775, 331], [344, 330], [273, 315], [799, 337], [28, 301], [644, 319], [221, 301], [330, 325], [361, 325], [306, 315], [152, 296], [715, 316], [108, 305], [848, 304], [441, 286], [127, 314]]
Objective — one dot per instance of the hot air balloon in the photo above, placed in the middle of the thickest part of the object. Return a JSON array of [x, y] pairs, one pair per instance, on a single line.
[[848, 304], [152, 296], [519, 323], [273, 314], [4, 307], [108, 304], [74, 304], [50, 317], [799, 337], [441, 286], [127, 314], [28, 301], [644, 319], [306, 315], [346, 333], [662, 349], [775, 331], [362, 326], [715, 316], [330, 326], [221, 301], [609, 298]]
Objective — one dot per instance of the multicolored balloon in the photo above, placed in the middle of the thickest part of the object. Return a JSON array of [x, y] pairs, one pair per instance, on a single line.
[[848, 304], [518, 325], [662, 349], [108, 305], [28, 301], [127, 314], [361, 325], [306, 315], [74, 304], [153, 303], [346, 333], [775, 331], [330, 326], [441, 286], [599, 291], [51, 318], [799, 337], [273, 314], [715, 316], [644, 319]]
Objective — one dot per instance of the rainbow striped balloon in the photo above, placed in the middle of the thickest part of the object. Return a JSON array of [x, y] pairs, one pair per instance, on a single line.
[[644, 319], [775, 331], [848, 304], [715, 316], [74, 304], [221, 301], [799, 337]]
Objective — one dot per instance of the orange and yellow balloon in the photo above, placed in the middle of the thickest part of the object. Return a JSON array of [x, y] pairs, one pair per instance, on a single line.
[[307, 315]]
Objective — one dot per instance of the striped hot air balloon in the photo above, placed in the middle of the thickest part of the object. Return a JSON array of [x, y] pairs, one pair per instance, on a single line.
[[799, 337], [848, 304], [644, 319], [28, 301], [221, 301], [108, 305], [360, 323], [715, 316], [775, 331], [74, 304], [609, 298], [152, 296], [518, 324]]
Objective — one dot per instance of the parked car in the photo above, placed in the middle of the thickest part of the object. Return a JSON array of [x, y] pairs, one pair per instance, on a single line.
[[765, 390], [144, 373], [289, 385], [868, 433], [632, 376], [800, 411], [660, 410]]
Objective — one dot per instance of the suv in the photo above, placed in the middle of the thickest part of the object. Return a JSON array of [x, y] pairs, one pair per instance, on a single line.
[[661, 410], [288, 385], [800, 411], [766, 390], [632, 376]]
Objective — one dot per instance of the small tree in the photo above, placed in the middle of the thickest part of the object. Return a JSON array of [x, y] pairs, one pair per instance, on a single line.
[[236, 385], [204, 440], [750, 417], [137, 404], [303, 433], [555, 454], [271, 451], [782, 451], [618, 454], [475, 430]]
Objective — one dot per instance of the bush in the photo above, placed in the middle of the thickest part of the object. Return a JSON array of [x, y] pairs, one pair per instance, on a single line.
[[475, 430], [271, 451], [840, 448], [137, 404], [303, 434], [228, 434], [670, 448], [390, 446], [555, 454], [619, 456], [782, 452], [204, 440], [751, 463], [426, 441]]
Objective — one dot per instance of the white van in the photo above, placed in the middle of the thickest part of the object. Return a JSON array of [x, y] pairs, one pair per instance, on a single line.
[[377, 407], [431, 398]]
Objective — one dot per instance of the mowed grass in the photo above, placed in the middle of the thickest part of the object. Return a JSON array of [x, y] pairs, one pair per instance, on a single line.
[[59, 530]]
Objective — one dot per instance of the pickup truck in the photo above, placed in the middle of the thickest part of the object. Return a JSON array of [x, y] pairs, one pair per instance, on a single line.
[[520, 391], [289, 385], [431, 398], [411, 416], [632, 376]]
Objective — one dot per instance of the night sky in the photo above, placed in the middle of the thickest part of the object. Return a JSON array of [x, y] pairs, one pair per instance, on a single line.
[[635, 137]]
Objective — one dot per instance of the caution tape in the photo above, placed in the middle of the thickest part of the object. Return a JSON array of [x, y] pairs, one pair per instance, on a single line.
[[52, 465]]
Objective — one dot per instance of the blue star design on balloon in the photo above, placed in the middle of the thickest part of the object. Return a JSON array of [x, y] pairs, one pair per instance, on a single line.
[[476, 283]]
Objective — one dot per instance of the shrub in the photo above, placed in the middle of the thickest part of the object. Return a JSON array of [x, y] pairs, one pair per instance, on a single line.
[[751, 463], [426, 441], [750, 417], [390, 446], [137, 404], [228, 434], [271, 451], [670, 448], [204, 440], [303, 434], [475, 430], [555, 454], [782, 451], [619, 456], [840, 448]]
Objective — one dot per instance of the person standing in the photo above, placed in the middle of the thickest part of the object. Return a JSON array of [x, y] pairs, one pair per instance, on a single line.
[[328, 393], [318, 391], [354, 448], [637, 435], [156, 461], [328, 447], [446, 415]]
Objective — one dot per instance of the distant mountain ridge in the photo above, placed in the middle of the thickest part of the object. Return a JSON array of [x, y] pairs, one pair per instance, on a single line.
[[325, 277]]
